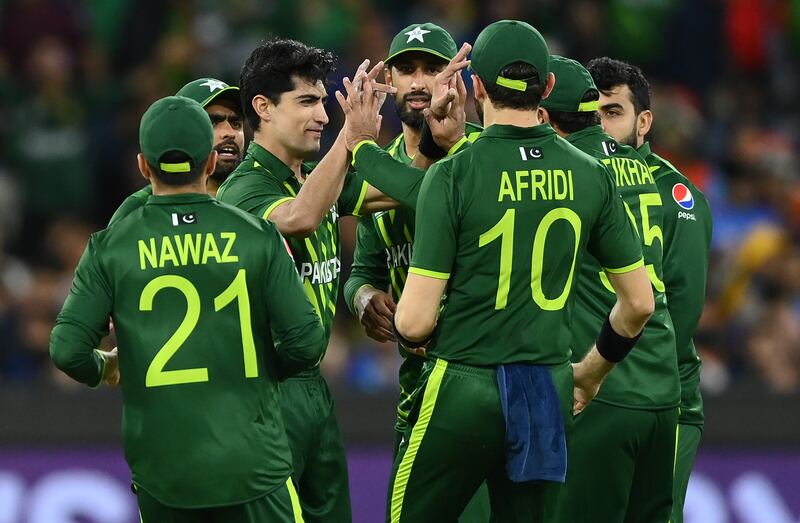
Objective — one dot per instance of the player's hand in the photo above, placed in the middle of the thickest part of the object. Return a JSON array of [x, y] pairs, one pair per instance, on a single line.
[[375, 311], [445, 90], [111, 370], [448, 130], [362, 106]]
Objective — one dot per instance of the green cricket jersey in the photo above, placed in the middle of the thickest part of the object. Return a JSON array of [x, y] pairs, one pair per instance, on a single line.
[[197, 290], [507, 222], [648, 377], [131, 203], [262, 182], [384, 244], [687, 241]]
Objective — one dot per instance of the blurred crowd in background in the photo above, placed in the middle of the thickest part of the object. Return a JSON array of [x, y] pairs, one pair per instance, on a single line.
[[75, 77]]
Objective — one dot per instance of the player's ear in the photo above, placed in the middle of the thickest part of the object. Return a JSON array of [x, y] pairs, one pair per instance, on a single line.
[[478, 88], [211, 164], [549, 84], [262, 106], [643, 123], [544, 116], [144, 168]]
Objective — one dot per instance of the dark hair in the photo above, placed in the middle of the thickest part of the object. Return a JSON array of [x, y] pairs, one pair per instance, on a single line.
[[609, 73], [177, 179], [503, 97], [271, 68], [572, 122]]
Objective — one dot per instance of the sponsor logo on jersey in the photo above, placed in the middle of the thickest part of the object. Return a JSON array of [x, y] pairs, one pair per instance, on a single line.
[[683, 196], [183, 219]]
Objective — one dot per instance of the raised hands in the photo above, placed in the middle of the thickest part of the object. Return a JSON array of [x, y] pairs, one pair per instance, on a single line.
[[365, 97], [446, 116]]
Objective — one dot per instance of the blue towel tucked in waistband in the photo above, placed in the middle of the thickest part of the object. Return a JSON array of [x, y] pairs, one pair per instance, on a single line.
[[536, 446]]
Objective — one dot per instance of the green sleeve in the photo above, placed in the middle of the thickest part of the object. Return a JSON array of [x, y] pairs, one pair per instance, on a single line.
[[299, 337], [369, 262], [83, 322], [436, 225], [131, 203], [352, 196], [613, 239], [255, 193], [685, 275], [395, 179]]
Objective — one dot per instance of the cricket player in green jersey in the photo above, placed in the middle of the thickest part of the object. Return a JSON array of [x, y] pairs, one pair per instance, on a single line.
[[384, 244], [209, 314], [625, 114], [221, 102], [490, 293], [283, 95], [627, 435]]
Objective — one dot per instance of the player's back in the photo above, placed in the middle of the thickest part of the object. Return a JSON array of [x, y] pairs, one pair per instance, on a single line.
[[202, 420], [525, 205], [648, 377]]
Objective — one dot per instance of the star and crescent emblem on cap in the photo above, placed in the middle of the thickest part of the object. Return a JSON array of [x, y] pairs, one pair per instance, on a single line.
[[213, 85], [416, 34]]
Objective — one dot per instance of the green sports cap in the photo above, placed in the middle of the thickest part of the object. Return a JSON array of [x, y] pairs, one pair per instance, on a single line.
[[176, 123], [573, 81], [503, 43], [428, 38], [206, 90]]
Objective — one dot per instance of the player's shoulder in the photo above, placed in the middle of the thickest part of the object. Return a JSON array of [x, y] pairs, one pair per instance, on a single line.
[[248, 177], [472, 131], [242, 220]]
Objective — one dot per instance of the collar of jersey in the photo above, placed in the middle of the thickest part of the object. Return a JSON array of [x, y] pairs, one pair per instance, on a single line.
[[594, 131], [178, 198], [272, 164], [644, 150], [512, 131]]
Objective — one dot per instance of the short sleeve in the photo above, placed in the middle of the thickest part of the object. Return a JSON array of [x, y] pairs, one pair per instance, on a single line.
[[255, 193], [436, 224], [613, 239]]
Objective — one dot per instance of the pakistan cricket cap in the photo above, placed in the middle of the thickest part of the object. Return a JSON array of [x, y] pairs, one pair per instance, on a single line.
[[503, 43], [176, 123], [428, 38], [573, 81], [206, 90]]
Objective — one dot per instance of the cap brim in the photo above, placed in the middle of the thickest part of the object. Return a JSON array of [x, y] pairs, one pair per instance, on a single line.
[[230, 93], [421, 49]]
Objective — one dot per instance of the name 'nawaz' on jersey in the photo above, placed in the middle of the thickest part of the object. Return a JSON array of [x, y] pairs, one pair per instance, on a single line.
[[187, 249]]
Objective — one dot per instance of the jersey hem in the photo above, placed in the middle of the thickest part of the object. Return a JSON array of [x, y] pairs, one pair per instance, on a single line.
[[627, 268], [274, 205]]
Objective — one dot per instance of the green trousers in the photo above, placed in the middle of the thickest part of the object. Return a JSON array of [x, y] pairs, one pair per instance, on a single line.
[[456, 443], [279, 506], [318, 457], [620, 464], [685, 452]]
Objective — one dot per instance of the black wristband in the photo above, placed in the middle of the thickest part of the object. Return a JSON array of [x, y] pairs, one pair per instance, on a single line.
[[428, 146], [611, 345], [405, 342]]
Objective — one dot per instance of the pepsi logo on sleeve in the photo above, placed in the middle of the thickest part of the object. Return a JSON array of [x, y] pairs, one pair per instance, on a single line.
[[683, 196]]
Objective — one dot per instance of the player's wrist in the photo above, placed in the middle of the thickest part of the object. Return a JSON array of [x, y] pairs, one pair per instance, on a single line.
[[363, 296], [613, 346]]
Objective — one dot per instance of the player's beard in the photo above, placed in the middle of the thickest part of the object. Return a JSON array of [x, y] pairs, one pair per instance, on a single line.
[[224, 168], [631, 139], [411, 117], [479, 110]]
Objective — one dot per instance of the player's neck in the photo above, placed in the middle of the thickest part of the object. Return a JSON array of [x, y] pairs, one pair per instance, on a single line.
[[291, 160], [160, 189], [212, 187], [501, 116], [411, 138]]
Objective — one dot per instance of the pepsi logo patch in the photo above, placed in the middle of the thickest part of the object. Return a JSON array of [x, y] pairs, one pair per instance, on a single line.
[[683, 196]]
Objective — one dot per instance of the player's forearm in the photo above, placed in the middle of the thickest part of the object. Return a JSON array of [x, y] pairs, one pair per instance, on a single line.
[[635, 303], [302, 215], [395, 179], [73, 352]]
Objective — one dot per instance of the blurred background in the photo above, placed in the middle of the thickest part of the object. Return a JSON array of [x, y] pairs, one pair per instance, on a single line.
[[75, 77]]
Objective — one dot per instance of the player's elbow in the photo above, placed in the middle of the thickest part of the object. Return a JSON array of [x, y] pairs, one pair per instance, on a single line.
[[301, 226], [641, 305]]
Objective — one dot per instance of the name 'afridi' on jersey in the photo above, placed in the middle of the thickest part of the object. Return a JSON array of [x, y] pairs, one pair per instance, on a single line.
[[196, 290], [687, 242], [260, 184], [648, 377], [508, 222]]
